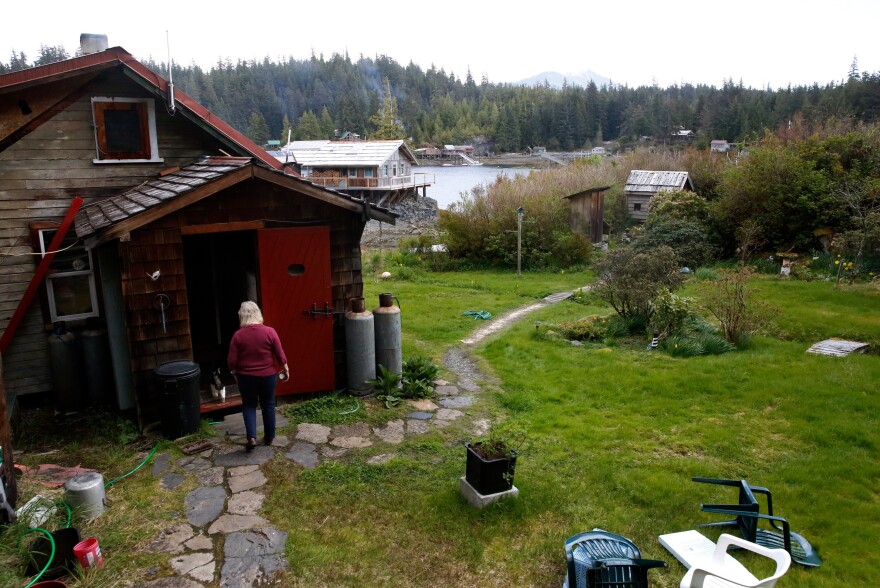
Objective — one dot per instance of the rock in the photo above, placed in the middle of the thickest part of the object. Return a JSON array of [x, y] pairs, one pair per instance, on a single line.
[[381, 458], [229, 523], [252, 558], [203, 505], [210, 477], [193, 464], [333, 452], [354, 430], [172, 480], [449, 414], [457, 402], [199, 543], [391, 433], [423, 404], [161, 464], [446, 390], [170, 540], [415, 427], [260, 455], [422, 416], [169, 583], [198, 565], [245, 503], [246, 482], [305, 454], [242, 470], [351, 442], [312, 433]]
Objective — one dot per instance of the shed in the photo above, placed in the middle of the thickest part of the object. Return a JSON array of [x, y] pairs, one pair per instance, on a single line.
[[641, 185], [587, 213], [184, 218]]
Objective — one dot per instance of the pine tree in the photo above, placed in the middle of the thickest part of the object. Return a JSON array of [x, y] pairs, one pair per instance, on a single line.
[[258, 130], [327, 125], [286, 129], [307, 127], [387, 124]]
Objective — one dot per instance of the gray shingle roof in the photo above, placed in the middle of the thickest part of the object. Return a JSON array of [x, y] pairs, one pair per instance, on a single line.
[[651, 182], [343, 153]]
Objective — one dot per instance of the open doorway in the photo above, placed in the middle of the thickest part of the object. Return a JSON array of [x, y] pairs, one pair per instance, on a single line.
[[221, 272]]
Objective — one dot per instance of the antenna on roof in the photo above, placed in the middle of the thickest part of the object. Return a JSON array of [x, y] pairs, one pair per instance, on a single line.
[[170, 75]]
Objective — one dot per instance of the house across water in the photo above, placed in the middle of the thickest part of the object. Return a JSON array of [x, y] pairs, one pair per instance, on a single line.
[[380, 172]]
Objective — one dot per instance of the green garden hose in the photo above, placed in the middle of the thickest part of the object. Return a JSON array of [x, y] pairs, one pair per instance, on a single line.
[[51, 554], [146, 459]]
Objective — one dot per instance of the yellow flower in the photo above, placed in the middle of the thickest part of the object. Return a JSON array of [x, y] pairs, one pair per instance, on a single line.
[[836, 262]]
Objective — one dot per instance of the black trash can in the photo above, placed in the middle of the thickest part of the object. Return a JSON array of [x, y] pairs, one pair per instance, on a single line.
[[178, 386]]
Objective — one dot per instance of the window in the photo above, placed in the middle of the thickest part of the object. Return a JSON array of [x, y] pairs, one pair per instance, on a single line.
[[368, 173], [386, 170], [70, 283], [637, 206], [125, 130], [352, 172], [394, 169]]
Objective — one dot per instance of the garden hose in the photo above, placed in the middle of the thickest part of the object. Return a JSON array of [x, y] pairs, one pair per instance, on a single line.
[[357, 407], [51, 553], [146, 459], [478, 314]]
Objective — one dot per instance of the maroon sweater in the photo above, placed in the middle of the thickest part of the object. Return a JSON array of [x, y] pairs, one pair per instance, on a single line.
[[255, 350]]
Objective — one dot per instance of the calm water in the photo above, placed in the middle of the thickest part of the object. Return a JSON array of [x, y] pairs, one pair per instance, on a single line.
[[450, 182]]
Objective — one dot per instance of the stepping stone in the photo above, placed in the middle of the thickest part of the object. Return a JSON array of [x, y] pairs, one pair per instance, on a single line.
[[251, 558], [391, 433], [170, 540], [351, 442], [169, 583], [203, 505], [242, 470], [415, 427], [246, 482], [198, 565], [260, 455], [382, 458], [193, 464], [441, 424], [199, 543], [161, 464], [449, 414], [312, 433], [481, 427], [333, 452], [230, 523], [468, 385], [441, 383], [305, 454], [280, 441], [446, 390], [172, 480], [353, 430], [234, 424], [245, 503], [422, 416], [458, 402], [423, 404], [210, 477]]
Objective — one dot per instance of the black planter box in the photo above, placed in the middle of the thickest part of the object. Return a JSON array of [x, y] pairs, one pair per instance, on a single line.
[[489, 476]]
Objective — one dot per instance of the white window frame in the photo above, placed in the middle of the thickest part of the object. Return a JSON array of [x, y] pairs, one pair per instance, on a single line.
[[352, 172], [50, 290], [151, 129], [368, 172]]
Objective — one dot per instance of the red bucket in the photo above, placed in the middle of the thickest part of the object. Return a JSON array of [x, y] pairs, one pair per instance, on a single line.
[[89, 554]]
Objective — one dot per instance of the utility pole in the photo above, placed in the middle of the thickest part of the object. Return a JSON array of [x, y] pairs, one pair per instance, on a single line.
[[519, 217]]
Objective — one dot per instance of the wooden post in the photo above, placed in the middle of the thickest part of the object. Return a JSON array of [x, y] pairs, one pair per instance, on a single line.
[[7, 469]]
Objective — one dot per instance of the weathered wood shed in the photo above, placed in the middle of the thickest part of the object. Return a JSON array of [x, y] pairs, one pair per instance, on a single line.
[[641, 185], [184, 218], [587, 213]]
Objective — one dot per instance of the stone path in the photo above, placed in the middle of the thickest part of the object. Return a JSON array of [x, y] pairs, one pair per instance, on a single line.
[[224, 541]]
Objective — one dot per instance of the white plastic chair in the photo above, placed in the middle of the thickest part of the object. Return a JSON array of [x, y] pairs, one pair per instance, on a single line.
[[716, 574]]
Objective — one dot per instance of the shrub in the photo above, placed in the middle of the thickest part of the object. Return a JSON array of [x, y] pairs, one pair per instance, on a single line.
[[591, 328], [728, 300], [629, 280], [419, 374], [681, 346], [669, 311]]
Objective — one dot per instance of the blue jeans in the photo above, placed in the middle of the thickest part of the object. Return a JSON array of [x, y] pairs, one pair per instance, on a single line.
[[254, 390]]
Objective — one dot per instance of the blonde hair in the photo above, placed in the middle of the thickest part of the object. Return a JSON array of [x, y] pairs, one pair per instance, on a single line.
[[249, 314]]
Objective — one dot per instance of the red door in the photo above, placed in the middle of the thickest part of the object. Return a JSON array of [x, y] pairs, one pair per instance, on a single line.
[[295, 279]]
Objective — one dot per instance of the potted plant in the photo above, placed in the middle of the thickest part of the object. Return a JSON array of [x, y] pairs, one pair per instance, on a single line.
[[491, 459]]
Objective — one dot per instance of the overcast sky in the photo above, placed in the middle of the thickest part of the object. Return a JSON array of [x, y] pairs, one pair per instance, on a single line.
[[775, 42]]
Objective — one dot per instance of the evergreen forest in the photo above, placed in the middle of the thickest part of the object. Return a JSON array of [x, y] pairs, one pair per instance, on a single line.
[[317, 97]]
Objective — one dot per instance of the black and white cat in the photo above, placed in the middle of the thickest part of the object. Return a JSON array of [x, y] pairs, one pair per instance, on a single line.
[[218, 390]]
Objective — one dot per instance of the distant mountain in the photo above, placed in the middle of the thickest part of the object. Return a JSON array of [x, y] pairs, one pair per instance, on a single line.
[[555, 79]]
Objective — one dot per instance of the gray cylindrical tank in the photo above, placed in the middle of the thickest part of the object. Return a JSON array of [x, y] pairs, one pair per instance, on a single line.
[[96, 351], [66, 367], [85, 494], [388, 339], [360, 348]]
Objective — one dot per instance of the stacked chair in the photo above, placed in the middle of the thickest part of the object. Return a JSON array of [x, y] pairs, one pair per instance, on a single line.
[[597, 559]]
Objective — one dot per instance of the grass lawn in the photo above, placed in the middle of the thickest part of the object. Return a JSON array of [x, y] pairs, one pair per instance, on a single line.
[[616, 434]]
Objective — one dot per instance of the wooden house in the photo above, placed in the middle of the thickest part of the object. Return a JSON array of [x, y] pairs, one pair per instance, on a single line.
[[642, 185], [587, 213], [183, 218], [378, 171], [719, 146]]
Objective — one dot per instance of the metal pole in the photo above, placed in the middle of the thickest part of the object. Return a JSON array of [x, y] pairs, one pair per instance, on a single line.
[[519, 217]]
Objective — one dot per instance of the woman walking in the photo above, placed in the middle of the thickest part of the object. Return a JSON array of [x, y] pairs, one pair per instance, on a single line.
[[254, 354]]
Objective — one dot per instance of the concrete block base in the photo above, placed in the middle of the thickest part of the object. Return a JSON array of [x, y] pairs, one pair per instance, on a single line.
[[481, 500]]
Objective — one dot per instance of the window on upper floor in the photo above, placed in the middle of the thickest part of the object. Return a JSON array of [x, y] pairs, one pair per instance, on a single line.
[[368, 173], [125, 130], [70, 283], [637, 206], [352, 172]]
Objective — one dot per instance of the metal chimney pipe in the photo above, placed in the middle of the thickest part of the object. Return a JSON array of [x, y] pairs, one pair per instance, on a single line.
[[92, 43]]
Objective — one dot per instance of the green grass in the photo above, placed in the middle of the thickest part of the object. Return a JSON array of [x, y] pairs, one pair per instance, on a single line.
[[616, 432]]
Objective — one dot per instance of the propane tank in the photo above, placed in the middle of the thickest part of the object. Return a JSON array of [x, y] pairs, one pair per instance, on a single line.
[[360, 348], [388, 340]]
